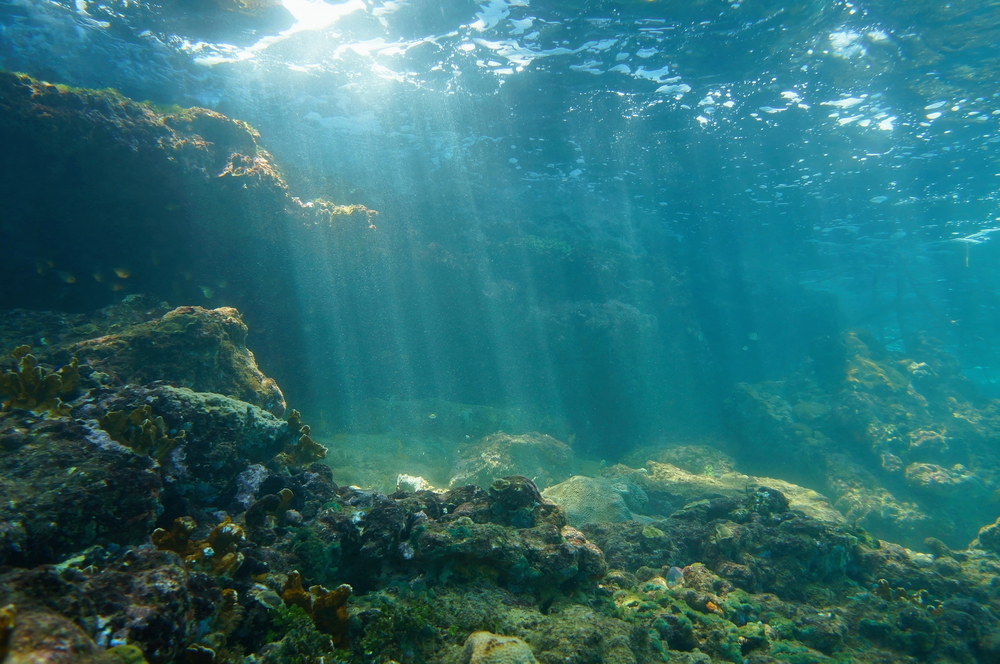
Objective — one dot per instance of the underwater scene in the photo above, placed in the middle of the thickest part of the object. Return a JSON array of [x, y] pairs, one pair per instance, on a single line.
[[499, 331]]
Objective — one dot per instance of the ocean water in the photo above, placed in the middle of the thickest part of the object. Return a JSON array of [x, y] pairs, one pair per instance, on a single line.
[[608, 213], [609, 331]]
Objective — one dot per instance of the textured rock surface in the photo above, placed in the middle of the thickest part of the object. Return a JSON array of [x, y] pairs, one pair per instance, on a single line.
[[222, 435], [589, 500], [901, 443], [539, 457], [201, 349], [66, 486], [669, 485], [489, 648]]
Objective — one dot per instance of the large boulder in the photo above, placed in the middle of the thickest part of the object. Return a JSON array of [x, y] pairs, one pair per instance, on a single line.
[[671, 488], [66, 486], [589, 500], [201, 349], [538, 456]]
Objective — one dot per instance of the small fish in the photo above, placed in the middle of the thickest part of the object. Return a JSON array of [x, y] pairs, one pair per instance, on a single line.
[[123, 273], [675, 576], [44, 266], [66, 277], [99, 277], [117, 286], [432, 416], [207, 292]]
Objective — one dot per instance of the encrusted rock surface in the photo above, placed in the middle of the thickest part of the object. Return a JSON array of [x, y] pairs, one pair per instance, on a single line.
[[903, 444], [538, 456], [201, 349]]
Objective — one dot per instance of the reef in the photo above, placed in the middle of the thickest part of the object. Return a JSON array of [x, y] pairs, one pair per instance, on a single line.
[[150, 518], [901, 442], [105, 196]]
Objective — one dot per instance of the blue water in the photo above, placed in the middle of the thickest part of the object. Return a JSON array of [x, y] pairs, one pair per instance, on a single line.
[[609, 211]]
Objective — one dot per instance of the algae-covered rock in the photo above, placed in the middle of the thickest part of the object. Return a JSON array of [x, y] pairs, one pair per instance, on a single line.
[[988, 538], [694, 458], [201, 349], [489, 648], [141, 596], [43, 637], [589, 500], [66, 486], [862, 499], [669, 486], [538, 456], [222, 436], [901, 442]]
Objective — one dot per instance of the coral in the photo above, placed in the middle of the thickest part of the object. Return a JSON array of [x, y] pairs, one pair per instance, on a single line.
[[293, 594], [327, 608], [488, 648], [330, 611], [178, 538], [217, 554], [29, 386], [304, 450], [141, 431]]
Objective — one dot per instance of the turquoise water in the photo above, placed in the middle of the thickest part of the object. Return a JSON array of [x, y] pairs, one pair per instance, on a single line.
[[607, 212]]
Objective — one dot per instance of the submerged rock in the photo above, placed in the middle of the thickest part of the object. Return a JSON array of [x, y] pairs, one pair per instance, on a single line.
[[157, 522], [65, 486], [589, 500], [668, 485], [200, 349], [222, 436], [903, 444], [488, 648], [538, 456]]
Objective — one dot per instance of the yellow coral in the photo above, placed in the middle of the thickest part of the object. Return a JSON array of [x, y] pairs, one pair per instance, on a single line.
[[327, 608], [216, 554], [330, 611], [141, 431], [305, 450], [32, 387]]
